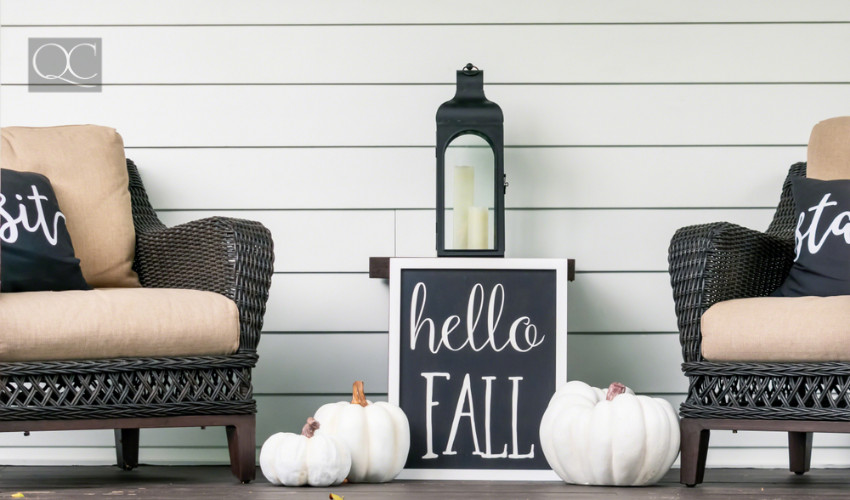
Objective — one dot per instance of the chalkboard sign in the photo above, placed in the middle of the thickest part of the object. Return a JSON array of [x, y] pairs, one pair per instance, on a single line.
[[477, 348]]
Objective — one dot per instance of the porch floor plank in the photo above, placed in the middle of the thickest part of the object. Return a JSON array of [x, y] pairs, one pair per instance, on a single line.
[[215, 482]]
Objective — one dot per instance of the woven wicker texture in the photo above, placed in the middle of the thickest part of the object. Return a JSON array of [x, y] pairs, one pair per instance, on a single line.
[[232, 257], [710, 263], [797, 391]]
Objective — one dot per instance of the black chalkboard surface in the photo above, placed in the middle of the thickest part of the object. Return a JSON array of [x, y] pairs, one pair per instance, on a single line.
[[477, 348]]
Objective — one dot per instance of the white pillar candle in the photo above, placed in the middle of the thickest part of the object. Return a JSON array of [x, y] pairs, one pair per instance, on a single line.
[[464, 184], [479, 228]]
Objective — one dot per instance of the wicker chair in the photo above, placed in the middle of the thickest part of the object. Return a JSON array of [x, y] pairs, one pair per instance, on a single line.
[[715, 262], [232, 257]]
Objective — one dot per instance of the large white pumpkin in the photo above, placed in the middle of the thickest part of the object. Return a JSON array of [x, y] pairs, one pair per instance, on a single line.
[[625, 441], [377, 435], [312, 458]]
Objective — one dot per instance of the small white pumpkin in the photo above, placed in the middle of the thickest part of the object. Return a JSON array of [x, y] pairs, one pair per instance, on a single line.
[[377, 434], [312, 458], [608, 437]]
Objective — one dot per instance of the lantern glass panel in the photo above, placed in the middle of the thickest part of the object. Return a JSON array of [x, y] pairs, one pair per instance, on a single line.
[[469, 194]]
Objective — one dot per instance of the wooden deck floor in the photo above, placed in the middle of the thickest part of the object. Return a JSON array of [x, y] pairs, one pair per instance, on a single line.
[[209, 483]]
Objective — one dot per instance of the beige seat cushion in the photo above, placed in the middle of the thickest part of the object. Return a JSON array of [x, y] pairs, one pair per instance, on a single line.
[[115, 323], [778, 329], [88, 171]]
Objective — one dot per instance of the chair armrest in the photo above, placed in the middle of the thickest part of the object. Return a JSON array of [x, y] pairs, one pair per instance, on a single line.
[[710, 263], [233, 257]]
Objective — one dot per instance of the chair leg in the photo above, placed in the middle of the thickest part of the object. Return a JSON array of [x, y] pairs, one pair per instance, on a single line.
[[694, 452], [800, 452], [127, 448], [242, 442]]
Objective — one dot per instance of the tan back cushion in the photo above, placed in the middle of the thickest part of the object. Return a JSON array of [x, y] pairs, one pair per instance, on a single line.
[[88, 171], [829, 150]]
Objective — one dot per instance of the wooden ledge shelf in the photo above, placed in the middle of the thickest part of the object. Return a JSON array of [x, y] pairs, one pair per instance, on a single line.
[[379, 267]]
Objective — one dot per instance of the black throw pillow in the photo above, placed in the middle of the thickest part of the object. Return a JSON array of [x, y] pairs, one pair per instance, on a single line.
[[35, 247], [821, 239]]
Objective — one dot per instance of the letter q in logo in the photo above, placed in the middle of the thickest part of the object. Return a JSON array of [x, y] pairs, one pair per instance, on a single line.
[[65, 65]]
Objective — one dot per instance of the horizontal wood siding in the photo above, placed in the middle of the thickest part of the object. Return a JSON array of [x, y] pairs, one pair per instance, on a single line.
[[403, 115], [516, 53]]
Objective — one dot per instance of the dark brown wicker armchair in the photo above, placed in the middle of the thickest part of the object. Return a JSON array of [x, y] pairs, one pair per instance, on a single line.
[[232, 257], [714, 262]]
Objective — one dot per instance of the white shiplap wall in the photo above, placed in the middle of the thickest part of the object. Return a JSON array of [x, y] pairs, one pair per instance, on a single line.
[[624, 121]]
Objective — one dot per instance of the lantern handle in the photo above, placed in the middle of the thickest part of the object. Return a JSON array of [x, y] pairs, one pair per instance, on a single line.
[[470, 69]]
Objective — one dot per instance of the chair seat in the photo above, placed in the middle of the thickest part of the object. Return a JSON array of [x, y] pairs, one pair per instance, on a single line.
[[116, 323], [777, 329]]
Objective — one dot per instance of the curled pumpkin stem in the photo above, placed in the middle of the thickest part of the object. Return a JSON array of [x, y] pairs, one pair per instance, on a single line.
[[614, 390], [358, 396], [310, 427]]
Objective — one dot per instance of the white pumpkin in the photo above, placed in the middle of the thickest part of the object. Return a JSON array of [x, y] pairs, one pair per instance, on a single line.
[[608, 437], [377, 434], [312, 458]]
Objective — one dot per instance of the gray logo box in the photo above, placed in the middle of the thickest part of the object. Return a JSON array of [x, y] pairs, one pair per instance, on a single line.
[[65, 64]]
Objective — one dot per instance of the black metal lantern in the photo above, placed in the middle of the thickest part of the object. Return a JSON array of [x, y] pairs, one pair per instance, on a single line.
[[470, 172]]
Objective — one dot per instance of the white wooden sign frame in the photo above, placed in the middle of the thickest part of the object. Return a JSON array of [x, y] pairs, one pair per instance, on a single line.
[[397, 265]]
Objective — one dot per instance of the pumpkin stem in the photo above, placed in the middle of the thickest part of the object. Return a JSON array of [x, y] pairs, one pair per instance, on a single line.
[[358, 397], [310, 427], [614, 390]]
